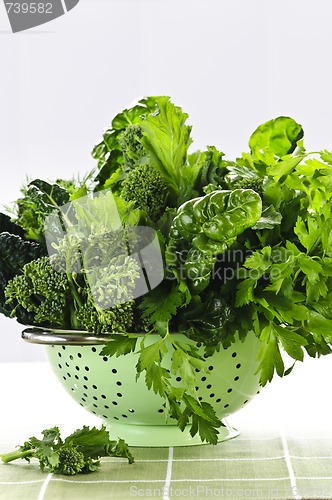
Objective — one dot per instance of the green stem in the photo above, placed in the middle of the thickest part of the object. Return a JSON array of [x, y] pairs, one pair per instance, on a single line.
[[74, 290], [14, 455]]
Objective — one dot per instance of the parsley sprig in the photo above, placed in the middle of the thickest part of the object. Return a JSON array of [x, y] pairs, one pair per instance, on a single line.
[[181, 400]]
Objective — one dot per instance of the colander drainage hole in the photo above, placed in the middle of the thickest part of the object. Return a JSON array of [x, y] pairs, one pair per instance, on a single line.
[[203, 379], [85, 378], [64, 378], [161, 410], [93, 349], [85, 387], [236, 378], [234, 354], [103, 396], [226, 405], [71, 357], [85, 394], [119, 383], [77, 368], [69, 375], [218, 400], [229, 390], [209, 386], [59, 366], [94, 387], [116, 418], [94, 405], [124, 416], [105, 416], [77, 377], [114, 370], [67, 364], [59, 354], [86, 368], [114, 403], [178, 379], [212, 395], [79, 355], [106, 407], [210, 368], [63, 347], [95, 398], [238, 365], [131, 410], [246, 401], [84, 400]]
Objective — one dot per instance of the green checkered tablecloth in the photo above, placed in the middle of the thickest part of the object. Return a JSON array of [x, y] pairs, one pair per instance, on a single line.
[[256, 467], [284, 450]]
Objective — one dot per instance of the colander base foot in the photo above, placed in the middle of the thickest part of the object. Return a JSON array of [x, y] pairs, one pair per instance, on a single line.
[[156, 436]]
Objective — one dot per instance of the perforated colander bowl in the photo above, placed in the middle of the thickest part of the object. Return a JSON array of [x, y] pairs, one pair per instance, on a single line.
[[107, 387]]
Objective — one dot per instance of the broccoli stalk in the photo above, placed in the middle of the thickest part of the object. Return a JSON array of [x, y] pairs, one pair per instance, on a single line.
[[78, 453], [15, 455]]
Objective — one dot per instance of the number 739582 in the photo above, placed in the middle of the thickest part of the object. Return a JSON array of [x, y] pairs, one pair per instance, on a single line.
[[29, 7]]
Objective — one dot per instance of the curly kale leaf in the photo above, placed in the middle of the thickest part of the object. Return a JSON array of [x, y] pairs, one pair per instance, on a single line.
[[39, 200], [8, 226]]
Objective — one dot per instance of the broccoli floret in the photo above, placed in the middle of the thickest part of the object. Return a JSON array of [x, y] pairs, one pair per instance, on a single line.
[[42, 291], [130, 142], [145, 186], [78, 453], [71, 461], [255, 183], [116, 319], [15, 252]]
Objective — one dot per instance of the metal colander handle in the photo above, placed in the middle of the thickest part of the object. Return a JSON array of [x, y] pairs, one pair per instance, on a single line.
[[46, 336]]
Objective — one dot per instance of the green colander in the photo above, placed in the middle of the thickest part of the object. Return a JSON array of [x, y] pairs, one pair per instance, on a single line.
[[107, 387]]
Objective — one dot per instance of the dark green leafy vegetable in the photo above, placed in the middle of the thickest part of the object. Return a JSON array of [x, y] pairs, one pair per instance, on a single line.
[[205, 227], [39, 199], [15, 252], [6, 225], [78, 453], [207, 320], [247, 246], [279, 135], [181, 401]]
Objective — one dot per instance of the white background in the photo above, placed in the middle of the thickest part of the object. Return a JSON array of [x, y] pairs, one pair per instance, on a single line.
[[230, 64]]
